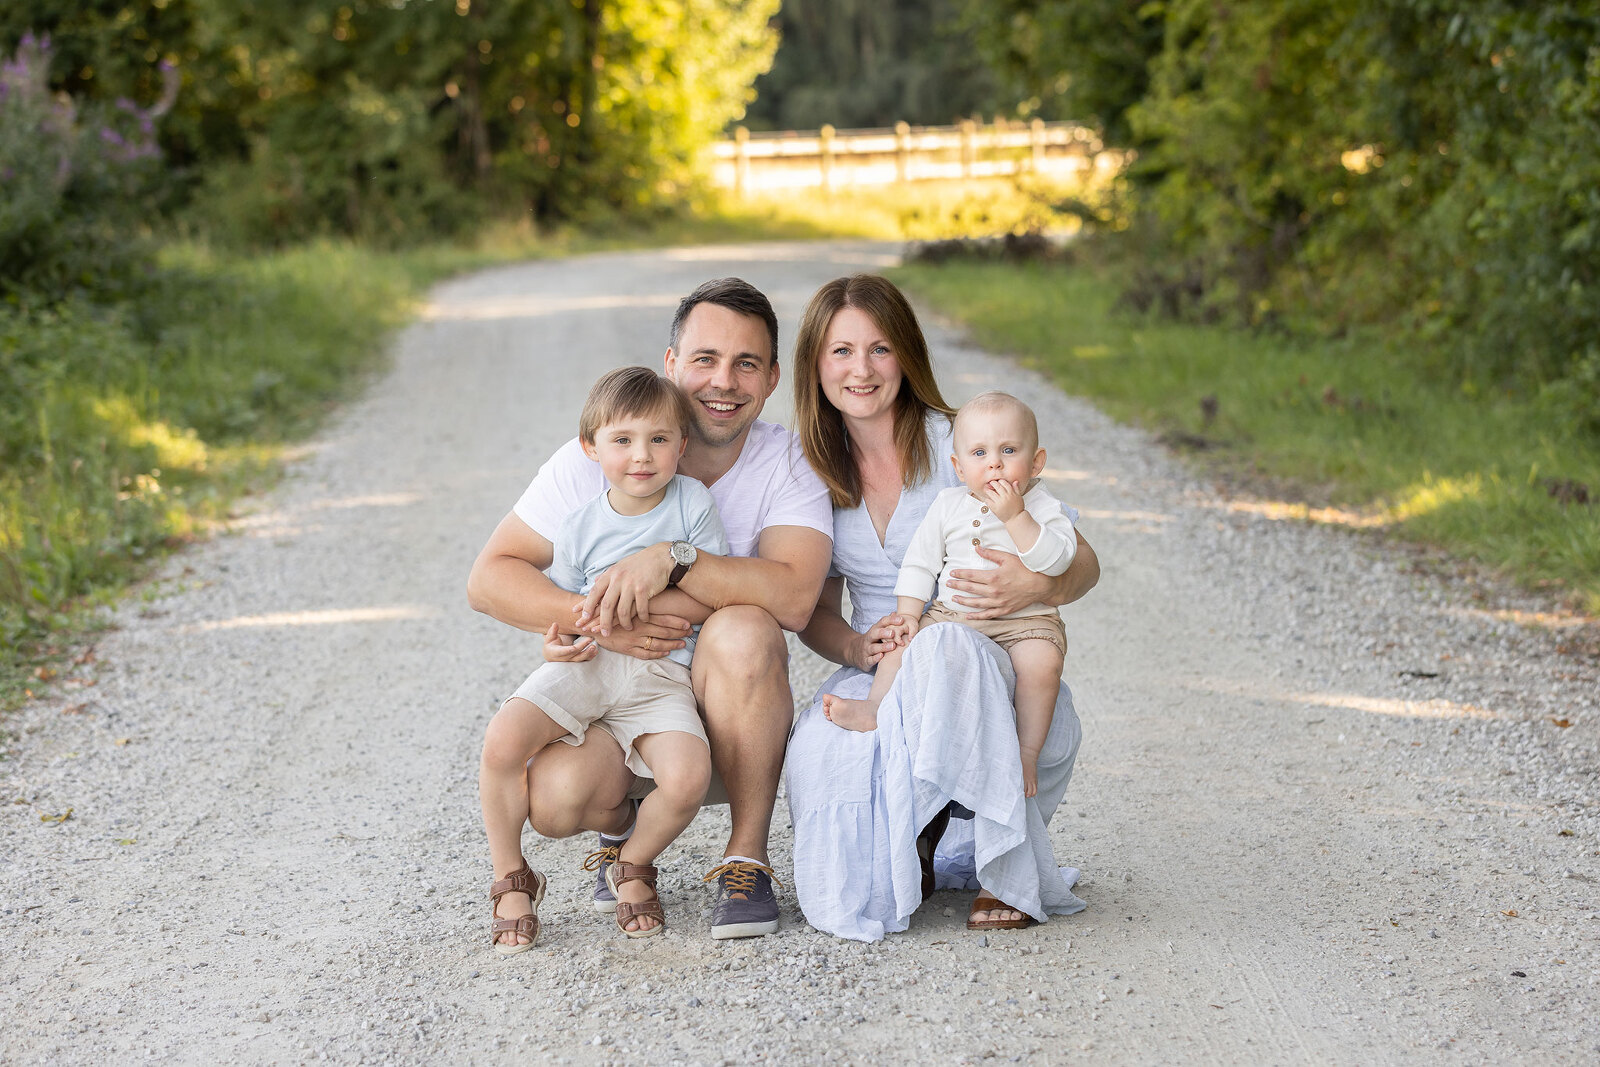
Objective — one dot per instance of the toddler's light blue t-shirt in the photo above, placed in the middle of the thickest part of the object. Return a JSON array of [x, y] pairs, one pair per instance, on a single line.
[[595, 536]]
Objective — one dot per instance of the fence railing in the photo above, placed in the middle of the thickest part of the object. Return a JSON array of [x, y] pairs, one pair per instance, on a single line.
[[760, 162]]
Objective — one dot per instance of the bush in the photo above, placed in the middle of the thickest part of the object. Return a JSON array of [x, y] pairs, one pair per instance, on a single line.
[[77, 183]]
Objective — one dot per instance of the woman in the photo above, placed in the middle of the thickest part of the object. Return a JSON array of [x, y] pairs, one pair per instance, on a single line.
[[868, 807]]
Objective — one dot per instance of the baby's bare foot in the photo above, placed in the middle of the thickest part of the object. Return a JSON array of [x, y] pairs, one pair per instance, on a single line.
[[859, 715]]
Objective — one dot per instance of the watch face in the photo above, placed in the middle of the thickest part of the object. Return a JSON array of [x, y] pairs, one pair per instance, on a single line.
[[683, 553]]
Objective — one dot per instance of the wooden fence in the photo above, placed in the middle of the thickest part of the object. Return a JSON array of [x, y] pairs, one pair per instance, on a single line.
[[771, 162]]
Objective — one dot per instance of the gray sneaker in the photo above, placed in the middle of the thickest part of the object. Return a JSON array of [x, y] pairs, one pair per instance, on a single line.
[[605, 902], [746, 905]]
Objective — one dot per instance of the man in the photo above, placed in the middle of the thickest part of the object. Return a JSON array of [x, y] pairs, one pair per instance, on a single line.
[[723, 354]]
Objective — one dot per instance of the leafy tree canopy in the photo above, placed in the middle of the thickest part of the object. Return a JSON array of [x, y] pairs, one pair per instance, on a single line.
[[871, 63]]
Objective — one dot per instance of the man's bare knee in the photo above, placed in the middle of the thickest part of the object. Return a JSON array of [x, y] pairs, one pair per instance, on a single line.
[[555, 813], [563, 788], [741, 644]]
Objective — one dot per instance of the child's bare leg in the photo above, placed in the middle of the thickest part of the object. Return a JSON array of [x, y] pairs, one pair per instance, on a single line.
[[517, 731], [1038, 666], [862, 715], [681, 764]]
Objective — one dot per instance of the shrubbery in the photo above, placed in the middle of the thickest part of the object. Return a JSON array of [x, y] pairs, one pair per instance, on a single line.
[[77, 183], [1428, 169]]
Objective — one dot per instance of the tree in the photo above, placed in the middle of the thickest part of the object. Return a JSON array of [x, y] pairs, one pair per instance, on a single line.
[[854, 63]]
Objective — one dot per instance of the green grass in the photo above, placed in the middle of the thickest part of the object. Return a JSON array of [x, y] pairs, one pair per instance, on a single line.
[[1354, 425], [130, 427]]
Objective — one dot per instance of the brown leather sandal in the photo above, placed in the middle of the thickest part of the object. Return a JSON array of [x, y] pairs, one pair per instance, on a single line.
[[619, 873], [523, 880], [984, 902]]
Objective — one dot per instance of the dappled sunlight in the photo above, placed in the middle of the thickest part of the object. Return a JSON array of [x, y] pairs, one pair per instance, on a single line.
[[1429, 495], [285, 523], [1124, 516], [1549, 620], [1062, 474], [325, 617], [1289, 511], [1435, 708], [1092, 351], [173, 449], [1436, 493], [785, 253], [270, 525], [533, 305], [374, 500]]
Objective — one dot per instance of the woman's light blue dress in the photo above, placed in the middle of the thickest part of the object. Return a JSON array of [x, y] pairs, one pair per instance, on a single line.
[[946, 732]]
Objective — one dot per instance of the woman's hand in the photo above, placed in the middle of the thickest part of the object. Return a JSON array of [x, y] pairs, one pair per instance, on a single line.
[[557, 648], [992, 594], [881, 638]]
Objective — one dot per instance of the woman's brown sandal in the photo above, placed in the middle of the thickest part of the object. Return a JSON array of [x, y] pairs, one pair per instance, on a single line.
[[985, 902], [523, 880], [619, 873]]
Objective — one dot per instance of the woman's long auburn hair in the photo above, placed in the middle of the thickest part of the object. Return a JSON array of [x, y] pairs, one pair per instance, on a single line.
[[823, 437]]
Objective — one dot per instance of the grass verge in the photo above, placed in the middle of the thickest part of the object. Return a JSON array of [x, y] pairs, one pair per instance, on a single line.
[[1353, 431], [129, 426]]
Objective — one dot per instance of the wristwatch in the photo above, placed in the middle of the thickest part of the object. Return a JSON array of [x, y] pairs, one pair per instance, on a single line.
[[683, 556]]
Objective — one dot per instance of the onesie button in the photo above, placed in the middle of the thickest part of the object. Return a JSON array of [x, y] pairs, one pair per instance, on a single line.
[[976, 541], [977, 522], [984, 509]]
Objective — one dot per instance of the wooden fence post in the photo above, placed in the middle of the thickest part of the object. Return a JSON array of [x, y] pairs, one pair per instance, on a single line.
[[902, 151], [826, 134], [741, 162], [968, 151]]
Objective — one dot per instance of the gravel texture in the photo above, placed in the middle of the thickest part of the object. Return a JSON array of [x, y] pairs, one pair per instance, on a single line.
[[1330, 806]]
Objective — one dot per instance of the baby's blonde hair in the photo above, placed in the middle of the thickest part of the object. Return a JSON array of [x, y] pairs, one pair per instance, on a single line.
[[995, 400]]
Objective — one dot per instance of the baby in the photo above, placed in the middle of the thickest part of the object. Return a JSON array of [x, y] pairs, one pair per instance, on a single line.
[[634, 425], [1001, 506]]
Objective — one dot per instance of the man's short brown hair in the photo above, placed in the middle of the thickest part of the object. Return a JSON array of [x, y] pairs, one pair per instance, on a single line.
[[736, 295], [632, 391]]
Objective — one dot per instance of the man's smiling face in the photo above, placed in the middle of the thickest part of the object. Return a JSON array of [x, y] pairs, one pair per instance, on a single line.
[[725, 364]]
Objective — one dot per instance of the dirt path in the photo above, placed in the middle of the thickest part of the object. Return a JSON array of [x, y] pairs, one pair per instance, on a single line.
[[1323, 807]]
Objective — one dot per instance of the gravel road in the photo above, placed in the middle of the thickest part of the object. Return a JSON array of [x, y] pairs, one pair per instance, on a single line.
[[1330, 808]]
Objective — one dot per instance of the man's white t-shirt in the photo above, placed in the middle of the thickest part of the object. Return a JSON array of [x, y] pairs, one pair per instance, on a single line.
[[770, 484]]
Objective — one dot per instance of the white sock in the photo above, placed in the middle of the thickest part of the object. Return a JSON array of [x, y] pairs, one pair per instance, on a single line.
[[744, 859]]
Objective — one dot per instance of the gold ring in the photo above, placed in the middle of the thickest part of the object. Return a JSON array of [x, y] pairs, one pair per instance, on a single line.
[[650, 643]]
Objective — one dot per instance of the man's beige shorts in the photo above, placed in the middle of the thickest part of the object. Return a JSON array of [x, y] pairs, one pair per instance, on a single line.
[[622, 695], [1004, 632]]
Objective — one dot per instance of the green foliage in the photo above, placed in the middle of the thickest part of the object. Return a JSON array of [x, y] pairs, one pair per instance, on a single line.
[[872, 63], [1427, 166], [125, 427], [393, 122], [1078, 60], [1358, 423], [74, 180]]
